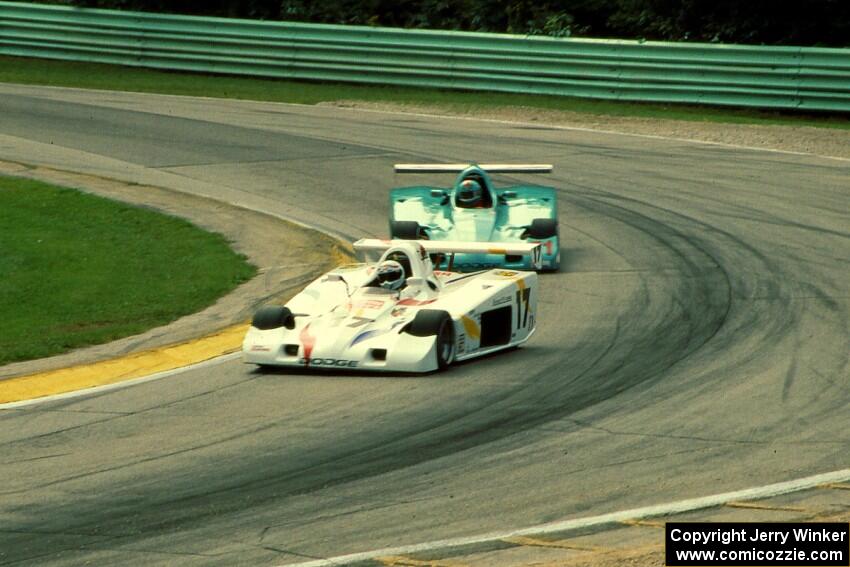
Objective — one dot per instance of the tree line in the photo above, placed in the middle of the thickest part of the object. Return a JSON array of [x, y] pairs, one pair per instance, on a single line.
[[766, 22]]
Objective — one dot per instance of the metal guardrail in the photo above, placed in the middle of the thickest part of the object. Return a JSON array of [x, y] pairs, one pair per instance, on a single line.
[[770, 77]]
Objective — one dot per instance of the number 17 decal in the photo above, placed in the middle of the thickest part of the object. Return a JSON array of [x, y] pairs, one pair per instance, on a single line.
[[523, 299]]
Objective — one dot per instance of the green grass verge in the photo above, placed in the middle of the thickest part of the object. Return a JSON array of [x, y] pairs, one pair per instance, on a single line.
[[113, 77], [80, 269]]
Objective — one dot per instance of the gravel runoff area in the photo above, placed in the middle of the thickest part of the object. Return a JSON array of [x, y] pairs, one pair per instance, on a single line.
[[286, 255], [830, 142]]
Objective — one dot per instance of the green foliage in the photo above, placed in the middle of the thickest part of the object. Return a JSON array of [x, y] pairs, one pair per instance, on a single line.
[[80, 270], [809, 22], [260, 9]]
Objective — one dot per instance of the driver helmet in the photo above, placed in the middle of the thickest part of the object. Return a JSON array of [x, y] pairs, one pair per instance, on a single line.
[[469, 194], [390, 275]]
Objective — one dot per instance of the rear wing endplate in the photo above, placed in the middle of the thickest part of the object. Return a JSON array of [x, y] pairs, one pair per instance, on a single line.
[[458, 167], [373, 248]]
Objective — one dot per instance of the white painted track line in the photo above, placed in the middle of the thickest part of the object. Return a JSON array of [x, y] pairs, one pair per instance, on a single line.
[[679, 507]]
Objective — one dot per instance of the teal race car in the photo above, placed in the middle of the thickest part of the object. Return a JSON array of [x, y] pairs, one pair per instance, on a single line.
[[472, 209]]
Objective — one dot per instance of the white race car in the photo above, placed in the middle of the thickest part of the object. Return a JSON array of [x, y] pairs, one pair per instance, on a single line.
[[396, 313]]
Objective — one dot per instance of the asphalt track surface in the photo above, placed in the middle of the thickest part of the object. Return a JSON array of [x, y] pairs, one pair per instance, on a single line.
[[694, 342]]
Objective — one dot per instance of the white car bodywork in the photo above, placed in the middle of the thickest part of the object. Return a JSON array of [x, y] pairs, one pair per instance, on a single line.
[[343, 321]]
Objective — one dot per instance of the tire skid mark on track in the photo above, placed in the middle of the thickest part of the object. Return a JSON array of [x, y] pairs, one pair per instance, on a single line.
[[127, 415], [739, 288], [695, 293], [500, 417]]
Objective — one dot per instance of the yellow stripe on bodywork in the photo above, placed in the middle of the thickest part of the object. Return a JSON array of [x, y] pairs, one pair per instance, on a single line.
[[497, 251], [520, 284], [471, 327]]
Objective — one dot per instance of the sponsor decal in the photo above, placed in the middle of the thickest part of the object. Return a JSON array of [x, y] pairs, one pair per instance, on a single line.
[[502, 300], [422, 253], [367, 335], [308, 341], [398, 311], [374, 333], [536, 256], [328, 362], [547, 243], [260, 348], [368, 304], [414, 302], [478, 265], [523, 299], [359, 322], [357, 308], [506, 273]]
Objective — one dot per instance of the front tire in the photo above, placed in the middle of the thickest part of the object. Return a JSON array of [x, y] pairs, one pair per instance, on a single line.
[[406, 230], [439, 324], [543, 229], [273, 317]]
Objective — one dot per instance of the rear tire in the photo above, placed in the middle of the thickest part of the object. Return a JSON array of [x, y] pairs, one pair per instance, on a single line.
[[273, 317], [406, 230], [542, 229], [436, 323]]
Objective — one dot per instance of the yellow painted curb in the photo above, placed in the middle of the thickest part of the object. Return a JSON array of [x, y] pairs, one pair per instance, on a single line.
[[128, 367]]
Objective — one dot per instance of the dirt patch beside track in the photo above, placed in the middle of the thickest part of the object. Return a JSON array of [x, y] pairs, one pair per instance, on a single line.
[[831, 142]]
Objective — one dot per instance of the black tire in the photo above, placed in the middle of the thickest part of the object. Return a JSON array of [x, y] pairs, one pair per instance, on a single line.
[[541, 229], [273, 317], [436, 323], [405, 230]]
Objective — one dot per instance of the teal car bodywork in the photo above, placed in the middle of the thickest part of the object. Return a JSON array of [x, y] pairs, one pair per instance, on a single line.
[[520, 213]]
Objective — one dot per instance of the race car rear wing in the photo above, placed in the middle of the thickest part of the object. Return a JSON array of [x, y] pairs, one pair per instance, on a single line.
[[458, 167], [373, 248]]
